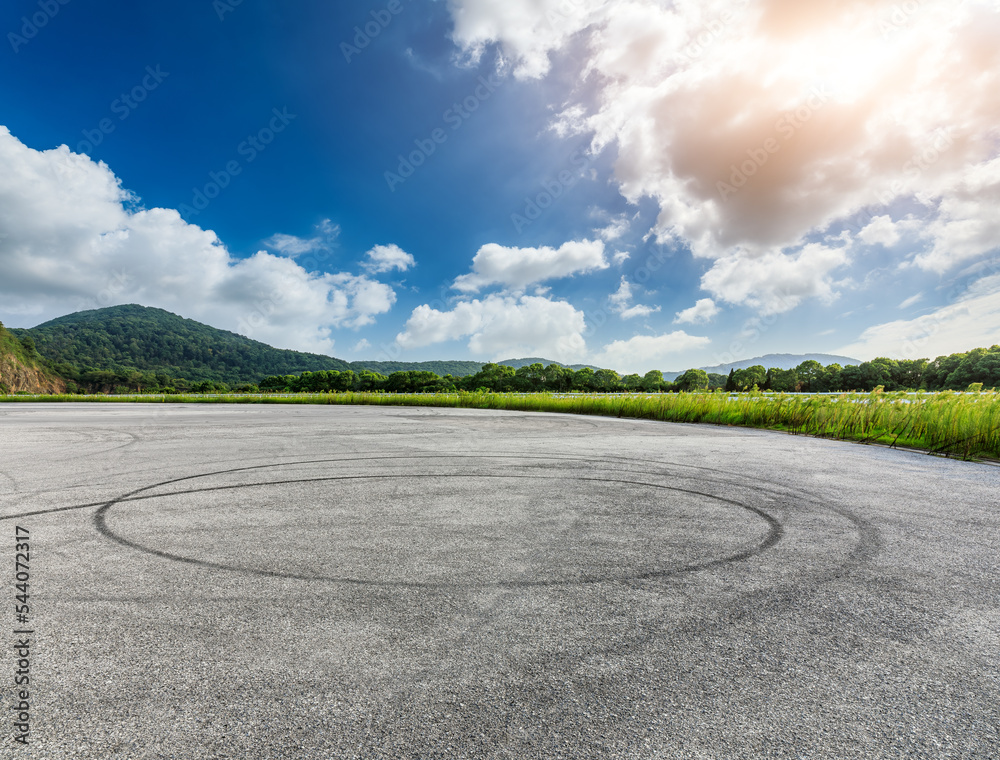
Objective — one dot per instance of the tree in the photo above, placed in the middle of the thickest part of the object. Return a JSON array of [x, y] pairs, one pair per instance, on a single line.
[[606, 380], [910, 373], [496, 377], [582, 379], [782, 380], [878, 372], [368, 381], [746, 379], [852, 378], [653, 381], [530, 378], [558, 378], [716, 381], [632, 382], [810, 374], [692, 380]]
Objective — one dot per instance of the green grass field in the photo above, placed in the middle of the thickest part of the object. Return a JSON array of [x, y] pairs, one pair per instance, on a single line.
[[965, 425]]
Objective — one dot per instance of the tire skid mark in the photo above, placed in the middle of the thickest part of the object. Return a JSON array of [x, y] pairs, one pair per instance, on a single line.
[[774, 535]]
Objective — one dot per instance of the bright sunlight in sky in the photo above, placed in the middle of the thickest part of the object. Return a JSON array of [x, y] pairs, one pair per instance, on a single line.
[[636, 184]]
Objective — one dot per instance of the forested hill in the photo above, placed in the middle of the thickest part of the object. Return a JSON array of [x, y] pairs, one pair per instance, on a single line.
[[154, 340], [21, 367]]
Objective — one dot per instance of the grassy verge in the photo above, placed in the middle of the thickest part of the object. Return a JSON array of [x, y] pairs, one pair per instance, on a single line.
[[966, 425]]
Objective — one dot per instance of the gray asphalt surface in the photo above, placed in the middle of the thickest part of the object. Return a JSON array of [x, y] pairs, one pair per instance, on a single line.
[[358, 582]]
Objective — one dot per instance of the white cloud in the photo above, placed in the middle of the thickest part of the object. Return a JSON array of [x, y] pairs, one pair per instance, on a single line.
[[639, 310], [614, 229], [967, 225], [385, 258], [621, 303], [775, 282], [70, 240], [971, 322], [880, 231], [809, 111], [517, 268], [620, 257], [361, 345], [911, 300], [702, 312], [527, 29], [502, 327], [644, 352], [293, 246]]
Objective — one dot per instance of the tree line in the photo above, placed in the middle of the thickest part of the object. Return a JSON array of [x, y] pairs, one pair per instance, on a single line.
[[955, 372]]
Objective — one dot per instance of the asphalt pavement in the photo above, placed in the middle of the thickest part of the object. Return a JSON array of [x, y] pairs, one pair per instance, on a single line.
[[263, 581]]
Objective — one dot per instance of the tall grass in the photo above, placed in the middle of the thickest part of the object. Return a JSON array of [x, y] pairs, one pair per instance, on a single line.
[[966, 425]]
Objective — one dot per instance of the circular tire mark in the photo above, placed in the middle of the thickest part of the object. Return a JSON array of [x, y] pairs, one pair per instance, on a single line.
[[774, 534]]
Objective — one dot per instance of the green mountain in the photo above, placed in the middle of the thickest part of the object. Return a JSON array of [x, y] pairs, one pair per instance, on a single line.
[[153, 340], [21, 367]]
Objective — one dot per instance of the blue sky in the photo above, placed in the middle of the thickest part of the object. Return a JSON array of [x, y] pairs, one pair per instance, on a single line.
[[636, 184]]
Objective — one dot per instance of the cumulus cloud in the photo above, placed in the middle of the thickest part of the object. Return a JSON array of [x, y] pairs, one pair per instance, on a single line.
[[644, 352], [527, 29], [702, 312], [880, 231], [755, 126], [386, 258], [517, 268], [971, 322], [776, 282], [502, 326], [967, 224], [621, 303], [71, 239]]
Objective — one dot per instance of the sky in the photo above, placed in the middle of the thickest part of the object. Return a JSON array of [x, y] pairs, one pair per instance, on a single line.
[[636, 184]]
